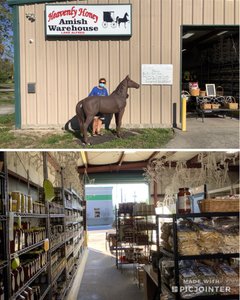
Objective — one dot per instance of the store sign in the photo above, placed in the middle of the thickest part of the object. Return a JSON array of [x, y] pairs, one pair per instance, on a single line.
[[157, 74], [88, 20]]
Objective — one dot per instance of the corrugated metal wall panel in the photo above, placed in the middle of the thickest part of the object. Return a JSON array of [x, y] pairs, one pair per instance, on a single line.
[[145, 42], [229, 12], [155, 100], [219, 11], [135, 66], [187, 11], [66, 71], [41, 95], [62, 77], [176, 57], [208, 12], [198, 12], [166, 58], [30, 52], [237, 11], [73, 71], [52, 83]]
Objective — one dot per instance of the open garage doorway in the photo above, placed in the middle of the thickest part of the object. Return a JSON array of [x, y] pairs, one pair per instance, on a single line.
[[103, 199], [210, 70]]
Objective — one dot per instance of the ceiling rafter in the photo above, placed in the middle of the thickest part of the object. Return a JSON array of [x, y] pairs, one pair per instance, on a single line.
[[123, 154], [153, 155], [84, 158], [134, 166]]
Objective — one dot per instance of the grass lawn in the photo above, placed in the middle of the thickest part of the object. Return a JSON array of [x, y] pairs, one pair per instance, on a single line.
[[134, 138]]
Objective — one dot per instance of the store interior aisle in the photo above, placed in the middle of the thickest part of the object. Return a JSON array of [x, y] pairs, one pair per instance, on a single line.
[[101, 280]]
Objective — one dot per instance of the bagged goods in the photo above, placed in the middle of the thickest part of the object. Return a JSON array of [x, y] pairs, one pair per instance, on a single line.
[[209, 240], [229, 278], [187, 242]]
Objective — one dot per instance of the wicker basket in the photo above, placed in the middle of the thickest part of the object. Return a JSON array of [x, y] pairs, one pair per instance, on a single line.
[[231, 105], [202, 93], [219, 91], [194, 92], [206, 106], [215, 106], [219, 205]]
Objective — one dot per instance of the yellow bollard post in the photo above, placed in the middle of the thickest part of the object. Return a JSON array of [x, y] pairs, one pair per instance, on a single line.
[[184, 113]]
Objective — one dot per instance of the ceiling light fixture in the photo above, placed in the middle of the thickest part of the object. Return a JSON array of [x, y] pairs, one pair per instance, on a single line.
[[188, 35], [222, 32]]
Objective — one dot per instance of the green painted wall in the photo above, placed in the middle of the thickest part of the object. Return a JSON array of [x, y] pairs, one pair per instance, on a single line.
[[98, 197]]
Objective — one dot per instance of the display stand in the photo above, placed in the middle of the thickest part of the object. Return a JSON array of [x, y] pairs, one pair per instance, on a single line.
[[177, 257]]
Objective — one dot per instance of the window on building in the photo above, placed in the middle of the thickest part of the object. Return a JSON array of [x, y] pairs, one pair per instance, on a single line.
[[96, 212]]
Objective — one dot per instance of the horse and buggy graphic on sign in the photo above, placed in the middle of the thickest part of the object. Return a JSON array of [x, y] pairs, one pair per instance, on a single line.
[[109, 18]]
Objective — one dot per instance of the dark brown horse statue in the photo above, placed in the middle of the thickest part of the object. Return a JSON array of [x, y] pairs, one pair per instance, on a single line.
[[115, 103]]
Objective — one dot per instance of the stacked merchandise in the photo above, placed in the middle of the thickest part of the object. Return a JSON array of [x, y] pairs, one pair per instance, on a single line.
[[198, 278], [202, 277], [135, 234], [219, 235]]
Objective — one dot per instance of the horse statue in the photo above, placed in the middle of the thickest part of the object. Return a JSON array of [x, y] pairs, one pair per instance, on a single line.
[[115, 103], [122, 20]]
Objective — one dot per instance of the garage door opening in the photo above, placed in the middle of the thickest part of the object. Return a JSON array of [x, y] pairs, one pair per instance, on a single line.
[[103, 200], [210, 70]]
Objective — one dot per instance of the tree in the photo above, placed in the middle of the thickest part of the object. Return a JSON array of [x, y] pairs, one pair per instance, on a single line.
[[6, 31], [6, 42]]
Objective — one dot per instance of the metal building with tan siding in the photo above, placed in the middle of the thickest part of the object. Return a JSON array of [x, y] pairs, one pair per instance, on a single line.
[[52, 73]]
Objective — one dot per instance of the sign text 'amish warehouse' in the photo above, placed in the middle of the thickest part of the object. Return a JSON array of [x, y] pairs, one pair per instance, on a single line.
[[88, 20]]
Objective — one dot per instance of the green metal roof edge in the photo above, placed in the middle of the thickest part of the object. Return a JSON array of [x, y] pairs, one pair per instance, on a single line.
[[22, 2]]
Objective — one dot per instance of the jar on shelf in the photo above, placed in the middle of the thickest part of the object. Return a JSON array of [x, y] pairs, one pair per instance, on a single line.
[[184, 201]]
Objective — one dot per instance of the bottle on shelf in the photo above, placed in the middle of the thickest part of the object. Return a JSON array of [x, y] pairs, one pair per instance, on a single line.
[[184, 201]]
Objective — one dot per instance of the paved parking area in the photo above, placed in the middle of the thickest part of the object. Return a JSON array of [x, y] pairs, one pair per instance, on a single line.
[[214, 133]]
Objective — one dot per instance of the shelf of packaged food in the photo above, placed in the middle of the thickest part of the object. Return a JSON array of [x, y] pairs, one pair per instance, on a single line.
[[74, 222], [58, 274], [79, 247], [57, 215], [26, 249], [69, 253], [3, 264], [28, 215], [69, 238], [200, 256], [3, 218], [57, 246], [13, 297], [70, 268], [45, 292]]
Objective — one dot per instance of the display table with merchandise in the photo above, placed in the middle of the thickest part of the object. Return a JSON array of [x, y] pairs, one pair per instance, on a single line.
[[218, 105]]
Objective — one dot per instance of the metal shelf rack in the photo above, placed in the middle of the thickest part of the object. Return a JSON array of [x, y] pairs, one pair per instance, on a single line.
[[177, 257], [46, 218]]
